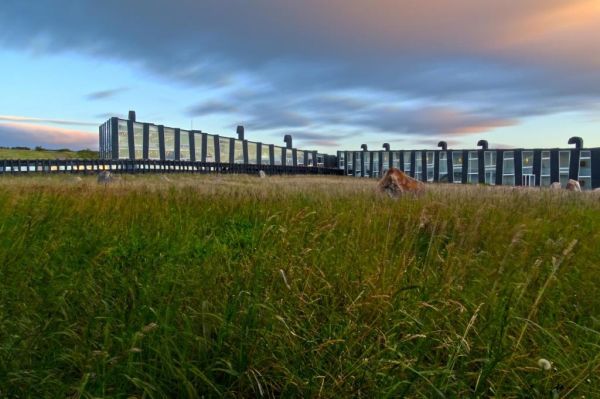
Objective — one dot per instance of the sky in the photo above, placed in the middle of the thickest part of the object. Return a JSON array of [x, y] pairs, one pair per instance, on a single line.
[[334, 74]]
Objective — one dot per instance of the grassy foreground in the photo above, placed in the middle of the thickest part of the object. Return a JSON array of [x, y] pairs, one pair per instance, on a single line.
[[231, 286]]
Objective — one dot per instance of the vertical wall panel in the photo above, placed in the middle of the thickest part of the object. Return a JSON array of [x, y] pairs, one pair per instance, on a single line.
[[161, 141], [537, 166], [574, 164], [146, 133], [518, 167]]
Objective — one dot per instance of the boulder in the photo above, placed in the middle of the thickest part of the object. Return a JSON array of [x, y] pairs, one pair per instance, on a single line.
[[573, 185], [262, 174], [396, 183], [555, 186]]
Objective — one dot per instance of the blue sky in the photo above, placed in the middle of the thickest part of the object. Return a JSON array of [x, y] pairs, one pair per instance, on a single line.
[[333, 74]]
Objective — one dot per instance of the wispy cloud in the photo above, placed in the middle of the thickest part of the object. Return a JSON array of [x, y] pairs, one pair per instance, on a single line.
[[28, 119], [22, 134], [105, 94]]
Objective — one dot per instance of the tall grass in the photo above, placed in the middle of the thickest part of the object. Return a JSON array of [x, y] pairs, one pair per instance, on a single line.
[[295, 287]]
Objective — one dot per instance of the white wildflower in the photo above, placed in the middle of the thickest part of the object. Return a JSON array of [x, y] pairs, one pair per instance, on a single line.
[[544, 364]]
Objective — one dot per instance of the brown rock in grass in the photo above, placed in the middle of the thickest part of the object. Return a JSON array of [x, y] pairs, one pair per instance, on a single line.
[[555, 186], [395, 183]]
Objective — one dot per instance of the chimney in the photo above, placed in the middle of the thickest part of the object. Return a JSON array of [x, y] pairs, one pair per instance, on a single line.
[[288, 140], [578, 141], [364, 147], [443, 145], [240, 132], [132, 116], [483, 144], [386, 146]]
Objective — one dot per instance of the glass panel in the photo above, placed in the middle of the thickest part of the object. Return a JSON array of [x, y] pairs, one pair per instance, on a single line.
[[490, 167], [210, 148], [429, 155], [224, 143], [342, 160], [527, 163], [153, 142], [169, 143], [184, 145], [122, 140], [473, 172], [508, 168], [309, 159], [238, 151], [265, 158], [198, 146], [418, 165], [138, 140], [357, 164], [545, 169], [385, 162], [457, 162], [277, 154], [289, 157], [407, 158], [443, 166], [367, 165], [585, 170], [375, 156], [300, 158], [252, 153], [564, 160], [396, 159]]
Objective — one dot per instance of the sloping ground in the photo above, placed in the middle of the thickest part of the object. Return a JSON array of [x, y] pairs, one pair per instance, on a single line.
[[184, 286], [46, 154]]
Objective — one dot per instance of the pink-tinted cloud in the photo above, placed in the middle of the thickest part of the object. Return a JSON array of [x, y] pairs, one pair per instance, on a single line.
[[25, 134]]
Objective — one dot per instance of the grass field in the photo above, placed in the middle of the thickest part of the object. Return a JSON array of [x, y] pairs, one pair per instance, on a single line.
[[9, 153], [230, 286]]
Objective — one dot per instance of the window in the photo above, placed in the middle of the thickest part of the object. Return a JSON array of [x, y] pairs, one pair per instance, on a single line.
[[309, 158], [169, 143], [300, 158], [278, 153], [367, 167], [184, 145], [375, 156], [198, 146], [289, 157], [357, 164], [342, 160], [489, 162], [210, 148], [407, 156], [585, 170], [443, 166], [527, 169], [224, 144], [473, 169], [252, 153], [138, 140], [545, 177], [385, 161], [123, 140], [153, 142], [429, 156], [418, 165], [564, 161], [265, 155], [350, 156], [396, 159], [457, 164], [508, 168], [238, 151]]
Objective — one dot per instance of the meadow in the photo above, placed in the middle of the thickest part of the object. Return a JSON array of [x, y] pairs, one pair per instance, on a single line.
[[12, 153], [235, 286]]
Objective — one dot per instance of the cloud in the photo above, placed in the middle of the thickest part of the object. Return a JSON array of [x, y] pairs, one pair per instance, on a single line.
[[397, 66], [210, 108], [105, 94], [27, 119], [30, 135]]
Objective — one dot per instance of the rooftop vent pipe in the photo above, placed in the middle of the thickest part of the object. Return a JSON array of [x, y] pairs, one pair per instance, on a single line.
[[364, 147], [386, 146], [443, 145], [288, 140], [578, 141], [132, 116], [240, 132], [483, 144]]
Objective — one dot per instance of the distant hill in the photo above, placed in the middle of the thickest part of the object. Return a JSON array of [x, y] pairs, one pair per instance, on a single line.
[[43, 153]]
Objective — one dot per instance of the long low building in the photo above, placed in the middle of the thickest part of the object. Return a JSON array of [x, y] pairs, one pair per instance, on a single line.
[[132, 140], [127, 139], [512, 167]]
